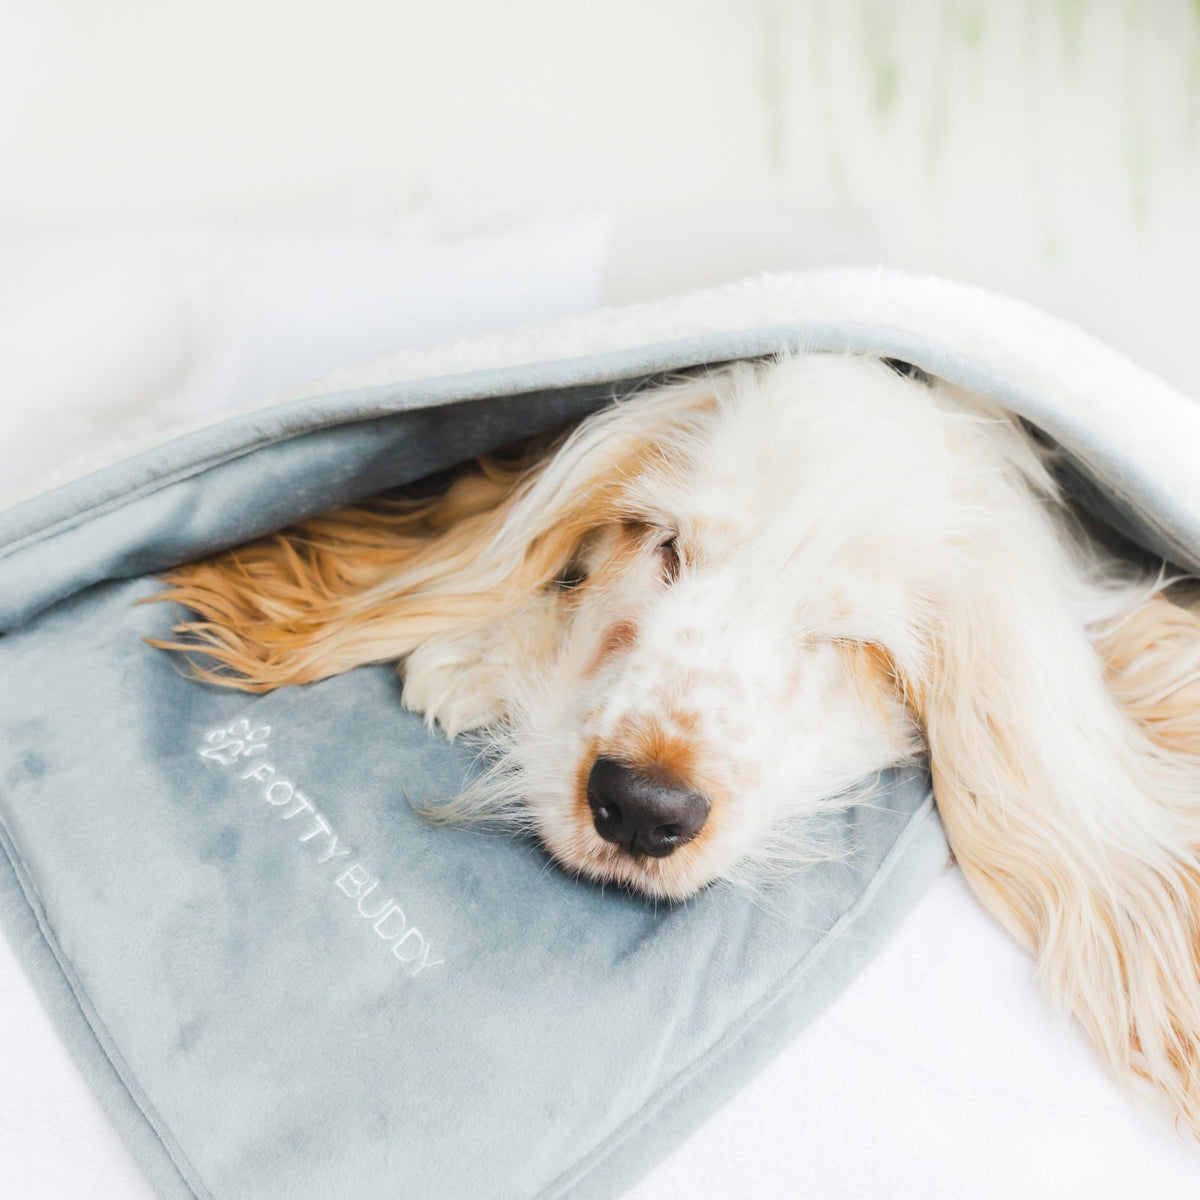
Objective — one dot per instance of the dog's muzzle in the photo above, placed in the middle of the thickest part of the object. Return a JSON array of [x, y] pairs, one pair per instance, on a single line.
[[641, 811]]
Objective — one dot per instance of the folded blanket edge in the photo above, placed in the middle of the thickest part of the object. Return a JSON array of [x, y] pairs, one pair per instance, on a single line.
[[92, 1050]]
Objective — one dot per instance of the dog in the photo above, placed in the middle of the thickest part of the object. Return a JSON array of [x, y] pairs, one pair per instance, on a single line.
[[713, 608]]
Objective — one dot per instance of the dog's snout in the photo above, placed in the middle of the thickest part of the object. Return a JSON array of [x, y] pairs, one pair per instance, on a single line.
[[643, 812]]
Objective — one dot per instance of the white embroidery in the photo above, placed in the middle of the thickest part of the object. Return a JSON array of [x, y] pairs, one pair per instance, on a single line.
[[241, 740], [319, 826], [356, 875], [332, 852], [302, 803], [286, 798], [225, 745]]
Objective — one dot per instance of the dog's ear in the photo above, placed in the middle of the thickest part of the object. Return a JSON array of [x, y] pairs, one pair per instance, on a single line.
[[367, 583], [1066, 767], [462, 585], [1151, 656]]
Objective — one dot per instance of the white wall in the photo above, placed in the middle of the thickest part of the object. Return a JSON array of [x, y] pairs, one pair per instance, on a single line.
[[1049, 148]]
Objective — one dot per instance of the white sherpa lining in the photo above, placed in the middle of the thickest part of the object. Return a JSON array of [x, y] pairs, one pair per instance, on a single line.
[[1088, 382]]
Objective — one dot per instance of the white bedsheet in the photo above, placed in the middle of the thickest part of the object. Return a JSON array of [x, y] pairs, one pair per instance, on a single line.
[[938, 1074]]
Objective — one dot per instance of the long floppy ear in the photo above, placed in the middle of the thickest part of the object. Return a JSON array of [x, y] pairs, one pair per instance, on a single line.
[[1066, 766], [462, 586], [366, 583]]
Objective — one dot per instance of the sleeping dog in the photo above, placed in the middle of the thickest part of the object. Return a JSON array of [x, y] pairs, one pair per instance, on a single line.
[[715, 606]]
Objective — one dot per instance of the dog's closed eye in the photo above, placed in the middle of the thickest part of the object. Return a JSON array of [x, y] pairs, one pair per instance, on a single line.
[[571, 576], [658, 536], [670, 557]]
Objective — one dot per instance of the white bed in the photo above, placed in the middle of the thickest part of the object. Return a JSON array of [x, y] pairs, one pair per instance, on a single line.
[[939, 1073]]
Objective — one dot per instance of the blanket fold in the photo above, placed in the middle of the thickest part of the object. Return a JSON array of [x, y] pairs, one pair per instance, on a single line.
[[281, 981]]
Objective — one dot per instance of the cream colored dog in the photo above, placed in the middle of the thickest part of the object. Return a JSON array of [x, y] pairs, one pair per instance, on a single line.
[[714, 607]]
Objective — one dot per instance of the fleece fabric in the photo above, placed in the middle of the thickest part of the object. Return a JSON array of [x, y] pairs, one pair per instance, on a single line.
[[279, 979]]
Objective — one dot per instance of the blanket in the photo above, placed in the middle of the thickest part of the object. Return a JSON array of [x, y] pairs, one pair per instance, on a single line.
[[198, 882]]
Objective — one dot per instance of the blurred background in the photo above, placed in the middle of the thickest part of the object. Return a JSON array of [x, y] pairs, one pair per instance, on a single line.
[[203, 204]]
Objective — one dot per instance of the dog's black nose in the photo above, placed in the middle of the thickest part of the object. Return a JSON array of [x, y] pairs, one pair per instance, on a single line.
[[643, 812]]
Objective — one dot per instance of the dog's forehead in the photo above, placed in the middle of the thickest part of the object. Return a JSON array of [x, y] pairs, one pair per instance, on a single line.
[[748, 474]]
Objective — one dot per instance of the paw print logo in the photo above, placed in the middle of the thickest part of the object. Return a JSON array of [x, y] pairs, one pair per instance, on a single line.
[[239, 740]]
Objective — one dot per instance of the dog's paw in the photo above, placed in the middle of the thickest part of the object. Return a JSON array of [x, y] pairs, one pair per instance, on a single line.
[[467, 681], [453, 685]]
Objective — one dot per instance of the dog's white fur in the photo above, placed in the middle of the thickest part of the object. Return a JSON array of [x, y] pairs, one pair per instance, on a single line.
[[768, 583]]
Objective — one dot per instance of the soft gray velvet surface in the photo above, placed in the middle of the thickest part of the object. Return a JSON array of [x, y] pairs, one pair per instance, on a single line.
[[407, 1010]]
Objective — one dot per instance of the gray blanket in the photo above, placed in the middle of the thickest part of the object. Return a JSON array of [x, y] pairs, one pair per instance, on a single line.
[[277, 978]]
